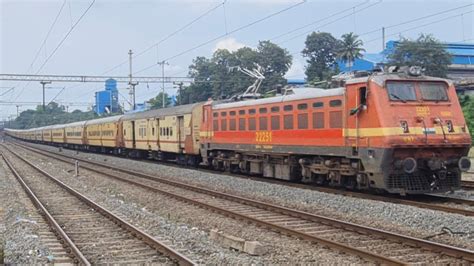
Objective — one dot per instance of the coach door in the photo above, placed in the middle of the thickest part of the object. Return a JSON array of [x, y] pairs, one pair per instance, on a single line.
[[181, 132], [133, 134]]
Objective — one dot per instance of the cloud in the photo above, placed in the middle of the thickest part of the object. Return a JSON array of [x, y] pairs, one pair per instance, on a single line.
[[230, 44], [296, 70]]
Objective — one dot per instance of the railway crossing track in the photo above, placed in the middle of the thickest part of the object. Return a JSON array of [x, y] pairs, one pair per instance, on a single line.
[[369, 243], [88, 232]]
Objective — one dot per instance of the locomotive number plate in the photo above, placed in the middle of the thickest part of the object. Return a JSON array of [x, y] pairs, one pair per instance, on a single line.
[[263, 136]]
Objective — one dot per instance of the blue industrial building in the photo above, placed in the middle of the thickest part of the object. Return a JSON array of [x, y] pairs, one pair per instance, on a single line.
[[106, 101], [462, 60]]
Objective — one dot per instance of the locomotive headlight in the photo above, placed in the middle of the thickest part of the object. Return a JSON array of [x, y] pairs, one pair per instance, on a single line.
[[409, 165], [449, 125], [464, 164], [404, 126]]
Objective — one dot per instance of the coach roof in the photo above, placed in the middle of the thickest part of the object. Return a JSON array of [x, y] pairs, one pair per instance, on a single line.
[[175, 110], [109, 119]]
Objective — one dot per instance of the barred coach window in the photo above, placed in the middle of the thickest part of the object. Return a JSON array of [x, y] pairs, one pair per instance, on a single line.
[[263, 123], [241, 124], [275, 122], [252, 123], [335, 119], [288, 122], [318, 120], [303, 121], [232, 124]]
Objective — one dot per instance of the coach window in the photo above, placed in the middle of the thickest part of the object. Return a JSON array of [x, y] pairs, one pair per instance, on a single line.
[[241, 112], [215, 125], [318, 104], [223, 114], [288, 108], [215, 114], [241, 124], [223, 124], [263, 123], [288, 122], [167, 131], [275, 109], [124, 132], [302, 121], [302, 106], [252, 111], [262, 110], [232, 124], [275, 120], [335, 103], [232, 113], [335, 119], [318, 120], [252, 123], [153, 131]]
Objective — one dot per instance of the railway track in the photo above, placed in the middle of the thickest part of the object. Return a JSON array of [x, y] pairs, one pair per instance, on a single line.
[[369, 243], [432, 202], [467, 184], [89, 233]]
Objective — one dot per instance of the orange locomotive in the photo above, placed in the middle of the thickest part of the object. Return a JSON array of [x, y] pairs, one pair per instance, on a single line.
[[399, 132]]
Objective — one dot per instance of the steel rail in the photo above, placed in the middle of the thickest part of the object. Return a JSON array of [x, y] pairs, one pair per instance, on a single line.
[[467, 184], [138, 233], [79, 257], [437, 247], [391, 199]]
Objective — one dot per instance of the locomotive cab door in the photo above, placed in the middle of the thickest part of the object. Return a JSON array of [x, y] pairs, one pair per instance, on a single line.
[[181, 132], [356, 115]]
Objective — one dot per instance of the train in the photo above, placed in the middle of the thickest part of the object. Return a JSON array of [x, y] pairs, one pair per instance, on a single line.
[[397, 132]]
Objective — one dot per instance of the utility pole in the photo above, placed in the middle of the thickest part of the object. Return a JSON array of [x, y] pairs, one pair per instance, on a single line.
[[44, 84], [17, 111], [131, 83], [163, 63], [383, 38], [180, 87]]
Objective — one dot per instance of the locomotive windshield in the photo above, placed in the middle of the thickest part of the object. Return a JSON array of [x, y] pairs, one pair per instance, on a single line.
[[431, 91], [407, 91], [401, 91]]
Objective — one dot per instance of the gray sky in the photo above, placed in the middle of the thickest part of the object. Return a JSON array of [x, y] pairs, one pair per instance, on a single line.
[[101, 40]]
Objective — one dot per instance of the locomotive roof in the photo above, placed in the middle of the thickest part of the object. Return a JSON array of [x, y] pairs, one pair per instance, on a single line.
[[298, 94], [380, 78], [175, 110]]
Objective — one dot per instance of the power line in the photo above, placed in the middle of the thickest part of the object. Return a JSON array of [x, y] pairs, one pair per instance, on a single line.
[[168, 36], [225, 34], [423, 25], [49, 32], [331, 22], [416, 19], [59, 45], [317, 21]]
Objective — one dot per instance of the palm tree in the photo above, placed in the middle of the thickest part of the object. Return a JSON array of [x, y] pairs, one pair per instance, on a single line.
[[350, 48]]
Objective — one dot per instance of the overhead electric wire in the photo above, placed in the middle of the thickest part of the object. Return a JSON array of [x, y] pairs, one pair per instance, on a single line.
[[225, 34], [420, 26], [331, 22], [169, 36], [318, 21], [59, 45], [416, 19]]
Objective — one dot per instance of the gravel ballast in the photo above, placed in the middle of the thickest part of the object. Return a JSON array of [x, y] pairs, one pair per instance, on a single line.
[[394, 217], [187, 227], [19, 224]]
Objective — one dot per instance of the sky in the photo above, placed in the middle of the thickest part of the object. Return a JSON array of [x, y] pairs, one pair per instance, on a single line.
[[183, 30]]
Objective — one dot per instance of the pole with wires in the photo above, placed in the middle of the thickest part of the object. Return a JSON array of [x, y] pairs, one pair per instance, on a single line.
[[44, 101], [163, 63]]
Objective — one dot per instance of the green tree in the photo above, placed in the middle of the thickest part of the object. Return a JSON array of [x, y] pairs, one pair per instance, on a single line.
[[157, 102], [426, 52], [213, 78], [320, 49], [467, 104], [350, 48]]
